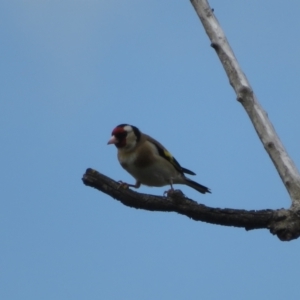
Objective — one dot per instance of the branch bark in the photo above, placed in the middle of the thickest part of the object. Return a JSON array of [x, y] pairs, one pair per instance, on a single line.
[[264, 128], [283, 223]]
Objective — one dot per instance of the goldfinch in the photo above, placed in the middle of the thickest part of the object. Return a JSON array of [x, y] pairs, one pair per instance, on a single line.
[[148, 161]]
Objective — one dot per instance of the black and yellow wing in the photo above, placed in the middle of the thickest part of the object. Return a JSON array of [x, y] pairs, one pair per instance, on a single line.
[[163, 152]]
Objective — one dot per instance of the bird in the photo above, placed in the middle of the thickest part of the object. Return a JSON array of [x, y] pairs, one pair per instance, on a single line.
[[148, 161]]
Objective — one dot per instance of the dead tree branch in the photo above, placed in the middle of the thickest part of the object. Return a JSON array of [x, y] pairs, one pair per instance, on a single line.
[[283, 223], [264, 128]]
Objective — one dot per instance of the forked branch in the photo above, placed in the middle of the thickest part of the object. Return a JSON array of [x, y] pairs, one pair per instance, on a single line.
[[284, 223]]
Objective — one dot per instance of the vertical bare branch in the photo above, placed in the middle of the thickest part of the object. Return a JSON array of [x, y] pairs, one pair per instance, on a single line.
[[264, 128]]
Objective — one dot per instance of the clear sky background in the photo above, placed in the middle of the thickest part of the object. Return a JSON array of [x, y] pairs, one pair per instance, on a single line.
[[73, 70]]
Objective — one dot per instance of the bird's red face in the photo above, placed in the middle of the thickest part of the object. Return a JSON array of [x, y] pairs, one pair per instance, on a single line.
[[118, 136], [125, 136]]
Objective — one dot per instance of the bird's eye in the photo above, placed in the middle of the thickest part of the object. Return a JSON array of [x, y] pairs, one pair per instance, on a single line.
[[121, 135]]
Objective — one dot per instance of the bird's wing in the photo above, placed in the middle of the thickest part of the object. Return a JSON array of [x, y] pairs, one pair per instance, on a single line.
[[163, 152]]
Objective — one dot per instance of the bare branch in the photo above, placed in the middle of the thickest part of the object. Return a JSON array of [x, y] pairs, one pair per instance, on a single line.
[[284, 223], [264, 128]]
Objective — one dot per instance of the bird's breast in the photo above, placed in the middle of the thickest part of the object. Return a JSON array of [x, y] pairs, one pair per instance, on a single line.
[[127, 159]]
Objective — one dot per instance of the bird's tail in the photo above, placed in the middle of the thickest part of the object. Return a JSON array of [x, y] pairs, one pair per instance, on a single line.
[[197, 186]]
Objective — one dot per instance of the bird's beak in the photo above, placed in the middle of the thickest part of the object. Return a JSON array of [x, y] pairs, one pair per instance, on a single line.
[[112, 140]]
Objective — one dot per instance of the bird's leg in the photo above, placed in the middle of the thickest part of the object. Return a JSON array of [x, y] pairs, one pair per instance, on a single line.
[[125, 185], [171, 190]]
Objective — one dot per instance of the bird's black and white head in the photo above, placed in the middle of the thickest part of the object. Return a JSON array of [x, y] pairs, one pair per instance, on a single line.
[[125, 137]]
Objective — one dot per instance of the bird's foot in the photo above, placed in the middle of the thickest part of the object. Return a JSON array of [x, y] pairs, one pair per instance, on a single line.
[[123, 185], [169, 192], [174, 193]]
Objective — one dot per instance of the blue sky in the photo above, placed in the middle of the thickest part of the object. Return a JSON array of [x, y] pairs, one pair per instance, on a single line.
[[73, 70]]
